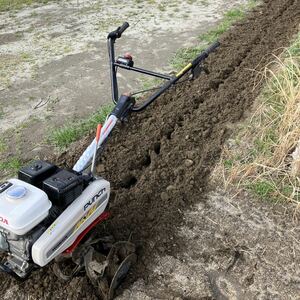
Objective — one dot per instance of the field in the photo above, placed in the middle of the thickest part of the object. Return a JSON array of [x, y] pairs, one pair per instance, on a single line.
[[195, 240], [53, 63]]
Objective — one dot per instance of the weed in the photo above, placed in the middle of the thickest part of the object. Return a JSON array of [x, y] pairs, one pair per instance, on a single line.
[[184, 55], [228, 163], [11, 165], [3, 146], [25, 56], [263, 189], [64, 136]]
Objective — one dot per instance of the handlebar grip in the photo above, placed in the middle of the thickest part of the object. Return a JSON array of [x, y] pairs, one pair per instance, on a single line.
[[123, 28], [205, 53], [118, 32]]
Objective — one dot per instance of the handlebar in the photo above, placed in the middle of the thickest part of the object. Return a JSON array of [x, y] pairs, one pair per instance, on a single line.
[[112, 36], [118, 32]]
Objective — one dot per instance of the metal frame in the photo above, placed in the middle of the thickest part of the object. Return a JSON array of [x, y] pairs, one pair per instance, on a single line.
[[114, 67]]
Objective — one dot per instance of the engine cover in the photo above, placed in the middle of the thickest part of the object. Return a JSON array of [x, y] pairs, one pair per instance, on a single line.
[[64, 231], [22, 206]]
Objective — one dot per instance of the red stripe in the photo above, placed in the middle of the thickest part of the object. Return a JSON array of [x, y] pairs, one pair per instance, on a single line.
[[104, 216], [108, 125], [98, 133]]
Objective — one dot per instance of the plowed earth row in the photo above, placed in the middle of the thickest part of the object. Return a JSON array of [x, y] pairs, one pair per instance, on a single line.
[[160, 161]]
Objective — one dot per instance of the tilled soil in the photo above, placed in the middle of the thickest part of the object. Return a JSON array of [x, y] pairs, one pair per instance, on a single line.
[[160, 161]]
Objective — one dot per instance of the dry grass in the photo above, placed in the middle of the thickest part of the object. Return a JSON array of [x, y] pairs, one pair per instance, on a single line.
[[264, 157]]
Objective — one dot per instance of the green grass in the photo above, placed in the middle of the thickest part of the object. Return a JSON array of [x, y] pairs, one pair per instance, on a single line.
[[229, 18], [263, 189], [6, 5], [271, 190], [25, 56], [150, 82], [3, 146], [228, 163], [295, 48], [64, 136], [185, 55], [11, 165]]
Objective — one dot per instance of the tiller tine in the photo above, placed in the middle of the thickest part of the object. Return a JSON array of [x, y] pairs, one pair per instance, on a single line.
[[105, 272]]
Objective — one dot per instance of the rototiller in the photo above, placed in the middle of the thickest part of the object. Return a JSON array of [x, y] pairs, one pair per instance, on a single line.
[[48, 213]]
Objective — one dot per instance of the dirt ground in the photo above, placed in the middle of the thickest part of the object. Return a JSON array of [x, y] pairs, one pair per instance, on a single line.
[[54, 64], [233, 248], [194, 241]]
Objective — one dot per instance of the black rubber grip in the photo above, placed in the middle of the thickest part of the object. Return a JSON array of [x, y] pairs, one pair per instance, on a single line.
[[123, 28], [118, 32]]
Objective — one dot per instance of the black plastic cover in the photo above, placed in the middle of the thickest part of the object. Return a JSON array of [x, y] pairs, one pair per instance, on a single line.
[[63, 187], [37, 172], [123, 107]]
